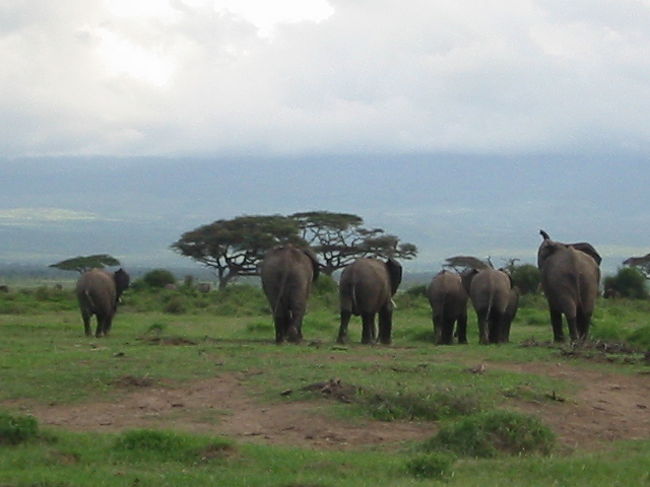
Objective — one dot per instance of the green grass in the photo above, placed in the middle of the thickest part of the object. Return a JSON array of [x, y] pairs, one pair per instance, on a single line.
[[46, 359]]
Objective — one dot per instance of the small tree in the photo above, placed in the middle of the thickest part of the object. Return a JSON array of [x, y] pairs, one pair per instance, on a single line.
[[82, 264], [339, 239], [642, 264], [235, 247]]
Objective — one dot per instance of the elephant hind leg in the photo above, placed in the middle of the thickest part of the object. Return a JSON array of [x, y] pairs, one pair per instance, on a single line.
[[447, 332], [294, 328], [461, 329], [280, 320], [483, 323], [85, 316], [343, 328], [556, 323], [582, 324], [368, 334], [385, 326]]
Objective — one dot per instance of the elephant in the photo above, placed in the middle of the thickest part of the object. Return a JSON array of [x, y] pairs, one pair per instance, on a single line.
[[448, 300], [493, 299], [366, 288], [570, 279], [287, 274], [98, 292]]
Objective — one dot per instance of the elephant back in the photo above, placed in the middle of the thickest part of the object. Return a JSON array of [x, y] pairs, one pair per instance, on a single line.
[[95, 289], [365, 286], [490, 288]]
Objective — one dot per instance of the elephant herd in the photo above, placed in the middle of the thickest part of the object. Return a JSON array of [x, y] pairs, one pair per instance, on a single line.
[[570, 276]]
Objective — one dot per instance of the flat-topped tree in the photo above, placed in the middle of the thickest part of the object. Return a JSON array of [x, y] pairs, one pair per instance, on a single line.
[[339, 239], [236, 247], [83, 263]]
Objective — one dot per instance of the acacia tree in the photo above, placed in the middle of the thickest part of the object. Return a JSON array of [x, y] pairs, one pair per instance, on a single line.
[[235, 247], [340, 239], [83, 263]]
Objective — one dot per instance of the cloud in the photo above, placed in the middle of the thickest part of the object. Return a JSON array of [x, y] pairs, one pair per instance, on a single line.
[[192, 77], [40, 216]]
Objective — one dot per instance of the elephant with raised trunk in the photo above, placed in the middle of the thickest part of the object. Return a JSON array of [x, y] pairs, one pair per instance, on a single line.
[[366, 288], [287, 274], [570, 279], [98, 292], [448, 300]]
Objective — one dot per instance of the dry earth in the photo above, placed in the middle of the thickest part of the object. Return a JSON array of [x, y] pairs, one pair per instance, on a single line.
[[603, 407]]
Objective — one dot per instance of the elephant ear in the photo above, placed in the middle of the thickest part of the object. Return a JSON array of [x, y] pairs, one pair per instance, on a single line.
[[394, 269], [466, 278], [587, 249], [122, 281], [507, 273], [314, 263]]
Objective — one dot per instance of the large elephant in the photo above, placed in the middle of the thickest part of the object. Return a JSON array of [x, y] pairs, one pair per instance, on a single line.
[[448, 300], [98, 292], [493, 299], [570, 279], [366, 288], [287, 274]]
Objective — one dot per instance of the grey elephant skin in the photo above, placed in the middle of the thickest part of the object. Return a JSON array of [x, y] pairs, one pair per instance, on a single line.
[[493, 299], [570, 279], [287, 274], [366, 289], [98, 292], [448, 300]]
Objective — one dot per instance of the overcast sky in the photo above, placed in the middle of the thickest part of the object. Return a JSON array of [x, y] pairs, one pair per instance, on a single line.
[[481, 121]]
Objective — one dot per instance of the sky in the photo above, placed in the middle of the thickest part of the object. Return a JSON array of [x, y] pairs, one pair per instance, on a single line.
[[461, 126]]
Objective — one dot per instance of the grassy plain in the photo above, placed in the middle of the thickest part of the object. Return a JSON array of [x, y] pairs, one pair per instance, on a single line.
[[170, 340]]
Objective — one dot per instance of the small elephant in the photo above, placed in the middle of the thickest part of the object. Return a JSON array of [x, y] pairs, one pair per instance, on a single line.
[[570, 280], [366, 288], [287, 274], [490, 291], [448, 300], [98, 292]]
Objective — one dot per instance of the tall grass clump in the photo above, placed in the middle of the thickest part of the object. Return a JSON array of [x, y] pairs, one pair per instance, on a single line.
[[488, 434], [434, 466], [169, 446], [17, 429]]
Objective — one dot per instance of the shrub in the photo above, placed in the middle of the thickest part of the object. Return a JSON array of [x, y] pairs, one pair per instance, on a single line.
[[175, 305], [16, 429], [628, 282], [490, 433], [435, 465], [527, 278], [158, 278]]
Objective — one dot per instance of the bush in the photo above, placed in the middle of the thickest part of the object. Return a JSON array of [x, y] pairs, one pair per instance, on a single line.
[[16, 429], [493, 432], [527, 278], [158, 278], [640, 338], [431, 466], [628, 282]]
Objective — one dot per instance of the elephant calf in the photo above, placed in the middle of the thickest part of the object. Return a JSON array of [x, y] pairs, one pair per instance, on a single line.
[[366, 288], [98, 292], [448, 300], [287, 273]]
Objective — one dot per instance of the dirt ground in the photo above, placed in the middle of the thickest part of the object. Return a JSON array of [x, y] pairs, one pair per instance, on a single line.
[[603, 407]]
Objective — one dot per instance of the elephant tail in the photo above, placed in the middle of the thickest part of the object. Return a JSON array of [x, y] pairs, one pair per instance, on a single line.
[[281, 289], [89, 300]]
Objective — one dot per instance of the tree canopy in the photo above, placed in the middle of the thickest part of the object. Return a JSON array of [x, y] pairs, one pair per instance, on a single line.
[[642, 264], [83, 263], [339, 239], [235, 247]]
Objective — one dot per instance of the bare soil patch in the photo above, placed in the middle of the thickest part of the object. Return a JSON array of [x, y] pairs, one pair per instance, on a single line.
[[602, 407]]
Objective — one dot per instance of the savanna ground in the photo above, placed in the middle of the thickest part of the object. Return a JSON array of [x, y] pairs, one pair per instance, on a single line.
[[235, 409]]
